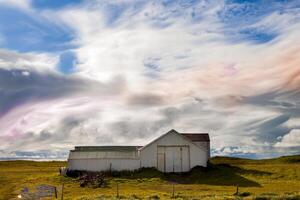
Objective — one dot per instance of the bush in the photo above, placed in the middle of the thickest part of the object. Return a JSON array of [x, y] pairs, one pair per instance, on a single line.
[[74, 173], [244, 194]]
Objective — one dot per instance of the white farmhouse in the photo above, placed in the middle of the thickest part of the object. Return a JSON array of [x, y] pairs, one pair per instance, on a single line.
[[171, 152]]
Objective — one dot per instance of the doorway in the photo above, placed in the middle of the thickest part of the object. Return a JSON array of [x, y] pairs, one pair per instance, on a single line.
[[173, 158]]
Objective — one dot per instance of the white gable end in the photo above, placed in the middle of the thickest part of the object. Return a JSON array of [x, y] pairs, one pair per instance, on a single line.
[[173, 149]]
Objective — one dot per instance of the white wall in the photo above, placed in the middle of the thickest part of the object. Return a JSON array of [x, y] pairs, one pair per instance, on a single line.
[[103, 160], [103, 154], [205, 145], [96, 164], [198, 156]]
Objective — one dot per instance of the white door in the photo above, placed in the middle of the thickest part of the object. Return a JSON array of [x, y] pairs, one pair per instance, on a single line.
[[161, 159], [185, 159], [170, 154], [177, 159]]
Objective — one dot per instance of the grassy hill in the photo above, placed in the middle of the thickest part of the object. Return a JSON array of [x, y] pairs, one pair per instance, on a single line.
[[233, 160], [277, 178]]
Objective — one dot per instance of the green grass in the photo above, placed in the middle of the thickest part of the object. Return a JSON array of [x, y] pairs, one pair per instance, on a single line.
[[257, 179]]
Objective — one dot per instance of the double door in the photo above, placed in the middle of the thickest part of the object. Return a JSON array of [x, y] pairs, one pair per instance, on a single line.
[[173, 158]]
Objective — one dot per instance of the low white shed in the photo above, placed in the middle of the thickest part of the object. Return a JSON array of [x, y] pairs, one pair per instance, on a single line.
[[103, 158], [171, 152]]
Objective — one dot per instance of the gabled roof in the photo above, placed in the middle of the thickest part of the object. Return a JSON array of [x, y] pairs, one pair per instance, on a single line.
[[197, 137], [177, 133], [172, 130], [191, 137]]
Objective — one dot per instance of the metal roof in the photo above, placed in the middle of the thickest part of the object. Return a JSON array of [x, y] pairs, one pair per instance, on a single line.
[[197, 137], [106, 148]]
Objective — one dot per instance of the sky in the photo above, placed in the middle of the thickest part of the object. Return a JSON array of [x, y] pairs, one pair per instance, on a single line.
[[123, 72]]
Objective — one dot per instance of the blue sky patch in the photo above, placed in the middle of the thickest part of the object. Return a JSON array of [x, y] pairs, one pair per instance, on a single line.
[[256, 36], [53, 4], [24, 33], [67, 62]]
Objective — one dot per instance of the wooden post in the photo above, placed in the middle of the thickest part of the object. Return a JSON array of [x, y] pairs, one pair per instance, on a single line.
[[117, 190], [55, 191], [173, 190], [237, 189], [62, 192]]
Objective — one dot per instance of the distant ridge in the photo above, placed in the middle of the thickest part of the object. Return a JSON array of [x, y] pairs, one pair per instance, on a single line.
[[236, 160]]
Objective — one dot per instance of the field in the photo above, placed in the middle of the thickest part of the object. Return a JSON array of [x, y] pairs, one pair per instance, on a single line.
[[257, 179]]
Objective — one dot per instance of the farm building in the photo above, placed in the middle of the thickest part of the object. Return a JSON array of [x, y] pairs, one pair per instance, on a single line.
[[171, 152]]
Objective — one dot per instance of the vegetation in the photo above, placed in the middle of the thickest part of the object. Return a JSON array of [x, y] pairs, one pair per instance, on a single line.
[[256, 179]]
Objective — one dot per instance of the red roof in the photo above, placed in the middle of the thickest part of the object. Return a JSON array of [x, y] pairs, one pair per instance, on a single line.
[[197, 137]]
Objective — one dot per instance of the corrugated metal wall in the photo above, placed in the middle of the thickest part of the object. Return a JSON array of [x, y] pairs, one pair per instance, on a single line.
[[103, 160], [102, 154], [103, 164]]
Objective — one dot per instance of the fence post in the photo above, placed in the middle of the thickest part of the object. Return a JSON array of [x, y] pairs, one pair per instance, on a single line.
[[117, 190], [55, 191], [173, 190], [237, 189]]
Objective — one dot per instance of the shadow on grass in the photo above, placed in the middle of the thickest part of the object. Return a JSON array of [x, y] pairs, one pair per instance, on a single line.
[[214, 174], [220, 174]]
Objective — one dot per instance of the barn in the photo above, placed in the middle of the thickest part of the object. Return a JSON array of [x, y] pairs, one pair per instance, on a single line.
[[171, 152]]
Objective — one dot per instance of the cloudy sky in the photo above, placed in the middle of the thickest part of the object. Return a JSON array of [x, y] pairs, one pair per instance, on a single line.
[[85, 72]]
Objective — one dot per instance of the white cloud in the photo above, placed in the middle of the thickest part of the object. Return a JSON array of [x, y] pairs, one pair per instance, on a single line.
[[25, 73], [291, 139], [198, 49], [32, 61], [21, 4], [7, 154]]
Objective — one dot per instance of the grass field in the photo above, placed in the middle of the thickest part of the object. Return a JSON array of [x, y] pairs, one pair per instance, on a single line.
[[257, 179]]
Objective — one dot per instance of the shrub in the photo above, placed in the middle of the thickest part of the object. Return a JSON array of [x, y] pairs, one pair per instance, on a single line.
[[74, 173], [244, 194]]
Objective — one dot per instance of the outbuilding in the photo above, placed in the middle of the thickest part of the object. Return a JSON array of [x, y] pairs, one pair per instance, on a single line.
[[171, 152]]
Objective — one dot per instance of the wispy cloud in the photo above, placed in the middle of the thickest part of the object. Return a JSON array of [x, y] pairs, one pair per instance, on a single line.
[[130, 70]]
